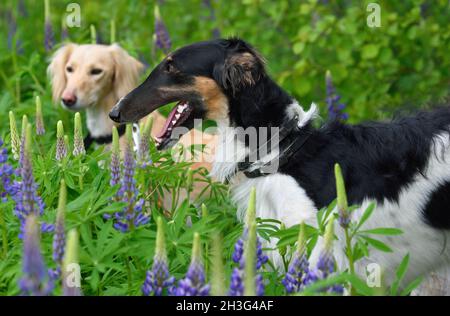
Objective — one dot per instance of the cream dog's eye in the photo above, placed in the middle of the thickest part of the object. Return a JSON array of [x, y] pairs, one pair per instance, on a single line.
[[96, 71], [69, 69]]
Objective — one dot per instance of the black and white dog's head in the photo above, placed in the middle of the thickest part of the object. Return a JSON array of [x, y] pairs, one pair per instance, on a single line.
[[206, 79]]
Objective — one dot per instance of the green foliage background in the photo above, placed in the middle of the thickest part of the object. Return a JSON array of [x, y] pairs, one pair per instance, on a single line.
[[404, 63]]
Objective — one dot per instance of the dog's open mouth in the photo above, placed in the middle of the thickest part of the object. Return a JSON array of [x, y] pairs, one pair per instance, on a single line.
[[179, 114]]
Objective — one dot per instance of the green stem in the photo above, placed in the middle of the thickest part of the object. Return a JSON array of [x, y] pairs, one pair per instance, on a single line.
[[351, 261], [80, 178], [129, 274], [4, 236]]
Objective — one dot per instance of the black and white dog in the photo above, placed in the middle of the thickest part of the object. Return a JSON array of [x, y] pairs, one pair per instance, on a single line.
[[403, 165]]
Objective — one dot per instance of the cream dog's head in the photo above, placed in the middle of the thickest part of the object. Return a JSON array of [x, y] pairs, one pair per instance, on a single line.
[[85, 76]]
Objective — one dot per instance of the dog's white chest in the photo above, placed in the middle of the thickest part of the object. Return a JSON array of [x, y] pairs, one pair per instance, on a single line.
[[278, 197]]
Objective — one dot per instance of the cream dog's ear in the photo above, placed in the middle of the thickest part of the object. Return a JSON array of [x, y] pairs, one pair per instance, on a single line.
[[56, 70], [126, 71]]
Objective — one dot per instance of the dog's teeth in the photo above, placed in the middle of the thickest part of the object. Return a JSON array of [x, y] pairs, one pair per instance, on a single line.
[[174, 121], [177, 116]]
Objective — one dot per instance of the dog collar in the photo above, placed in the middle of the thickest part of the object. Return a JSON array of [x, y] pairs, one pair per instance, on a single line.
[[254, 169], [107, 139]]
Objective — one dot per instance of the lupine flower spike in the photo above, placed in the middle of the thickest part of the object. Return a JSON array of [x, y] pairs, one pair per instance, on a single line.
[[71, 268], [158, 280], [35, 280], [15, 141], [61, 146], [22, 139], [49, 36], [115, 158], [78, 143], [342, 204], [250, 262], [64, 31], [326, 263], [59, 237], [112, 32], [194, 283], [217, 268], [27, 200], [162, 38], [132, 215], [335, 108], [93, 34], [144, 143], [40, 129], [7, 185], [299, 266], [238, 274]]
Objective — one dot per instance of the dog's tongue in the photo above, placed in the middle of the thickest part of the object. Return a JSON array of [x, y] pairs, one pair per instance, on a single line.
[[169, 124]]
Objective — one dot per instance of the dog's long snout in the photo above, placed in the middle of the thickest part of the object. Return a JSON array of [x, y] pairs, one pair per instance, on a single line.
[[115, 115]]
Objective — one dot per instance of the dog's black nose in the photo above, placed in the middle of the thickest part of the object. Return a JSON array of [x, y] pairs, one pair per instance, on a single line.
[[115, 115], [69, 101]]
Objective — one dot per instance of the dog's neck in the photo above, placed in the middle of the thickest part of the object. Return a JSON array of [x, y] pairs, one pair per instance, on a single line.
[[98, 122], [265, 105]]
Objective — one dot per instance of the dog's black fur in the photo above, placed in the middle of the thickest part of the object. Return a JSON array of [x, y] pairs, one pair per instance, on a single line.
[[378, 160]]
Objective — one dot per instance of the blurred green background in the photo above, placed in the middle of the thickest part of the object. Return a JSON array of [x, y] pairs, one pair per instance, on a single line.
[[403, 63]]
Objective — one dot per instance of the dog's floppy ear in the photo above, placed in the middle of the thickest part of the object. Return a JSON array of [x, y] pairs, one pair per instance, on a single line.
[[243, 66], [126, 71], [56, 70]]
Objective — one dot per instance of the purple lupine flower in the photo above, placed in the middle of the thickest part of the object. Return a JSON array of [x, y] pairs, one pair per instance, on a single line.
[[59, 237], [325, 264], [22, 8], [78, 142], [238, 254], [162, 37], [158, 279], [212, 17], [64, 31], [22, 140], [342, 204], [12, 31], [49, 37], [132, 214], [35, 280], [237, 287], [61, 146], [40, 129], [7, 185], [237, 283], [237, 276], [28, 202], [194, 283], [115, 158], [335, 108], [144, 143], [299, 266]]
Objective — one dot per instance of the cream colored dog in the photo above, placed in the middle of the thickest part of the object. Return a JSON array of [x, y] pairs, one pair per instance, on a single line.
[[94, 78]]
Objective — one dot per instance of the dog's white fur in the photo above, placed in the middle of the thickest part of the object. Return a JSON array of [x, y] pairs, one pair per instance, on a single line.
[[281, 197]]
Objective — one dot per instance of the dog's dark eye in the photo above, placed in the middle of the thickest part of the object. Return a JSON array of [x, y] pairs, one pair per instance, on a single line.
[[69, 69], [96, 71]]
